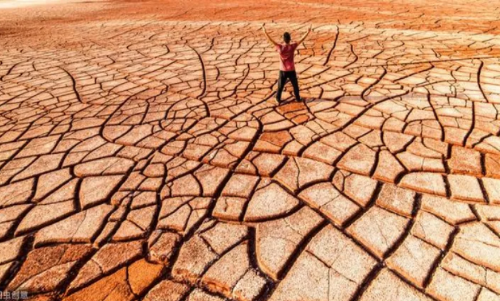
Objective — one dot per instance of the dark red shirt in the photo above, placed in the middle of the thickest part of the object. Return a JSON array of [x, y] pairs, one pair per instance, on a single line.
[[287, 52]]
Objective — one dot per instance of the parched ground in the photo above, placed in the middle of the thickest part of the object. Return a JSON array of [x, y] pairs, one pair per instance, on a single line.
[[142, 156]]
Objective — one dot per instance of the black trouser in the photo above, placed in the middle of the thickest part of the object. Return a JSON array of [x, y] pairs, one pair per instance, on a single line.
[[284, 76]]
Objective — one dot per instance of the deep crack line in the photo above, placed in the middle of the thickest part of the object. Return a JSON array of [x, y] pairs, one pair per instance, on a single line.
[[73, 84], [204, 89], [479, 70], [333, 46]]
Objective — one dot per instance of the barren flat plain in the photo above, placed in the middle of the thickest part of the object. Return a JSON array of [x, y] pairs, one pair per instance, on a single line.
[[143, 156]]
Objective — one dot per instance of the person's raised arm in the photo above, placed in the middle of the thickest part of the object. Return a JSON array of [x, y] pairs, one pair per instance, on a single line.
[[304, 36], [268, 37]]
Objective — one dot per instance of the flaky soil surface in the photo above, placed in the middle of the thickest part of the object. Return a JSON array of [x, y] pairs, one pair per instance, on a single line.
[[143, 157]]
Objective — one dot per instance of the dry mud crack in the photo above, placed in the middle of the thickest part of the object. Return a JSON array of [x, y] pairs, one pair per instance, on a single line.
[[142, 155]]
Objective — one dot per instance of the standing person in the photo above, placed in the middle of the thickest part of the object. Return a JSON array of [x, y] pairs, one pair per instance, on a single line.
[[287, 65]]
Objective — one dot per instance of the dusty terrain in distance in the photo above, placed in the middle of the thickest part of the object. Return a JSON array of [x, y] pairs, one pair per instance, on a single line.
[[142, 155]]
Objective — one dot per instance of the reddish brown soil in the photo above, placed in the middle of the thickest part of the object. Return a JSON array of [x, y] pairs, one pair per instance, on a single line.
[[143, 157]]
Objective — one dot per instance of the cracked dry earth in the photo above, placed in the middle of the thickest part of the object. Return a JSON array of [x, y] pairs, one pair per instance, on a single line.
[[142, 156]]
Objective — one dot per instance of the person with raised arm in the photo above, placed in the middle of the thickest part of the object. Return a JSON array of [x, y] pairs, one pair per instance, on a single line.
[[287, 66]]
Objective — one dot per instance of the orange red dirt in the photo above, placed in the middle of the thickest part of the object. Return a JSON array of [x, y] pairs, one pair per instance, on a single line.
[[143, 157]]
